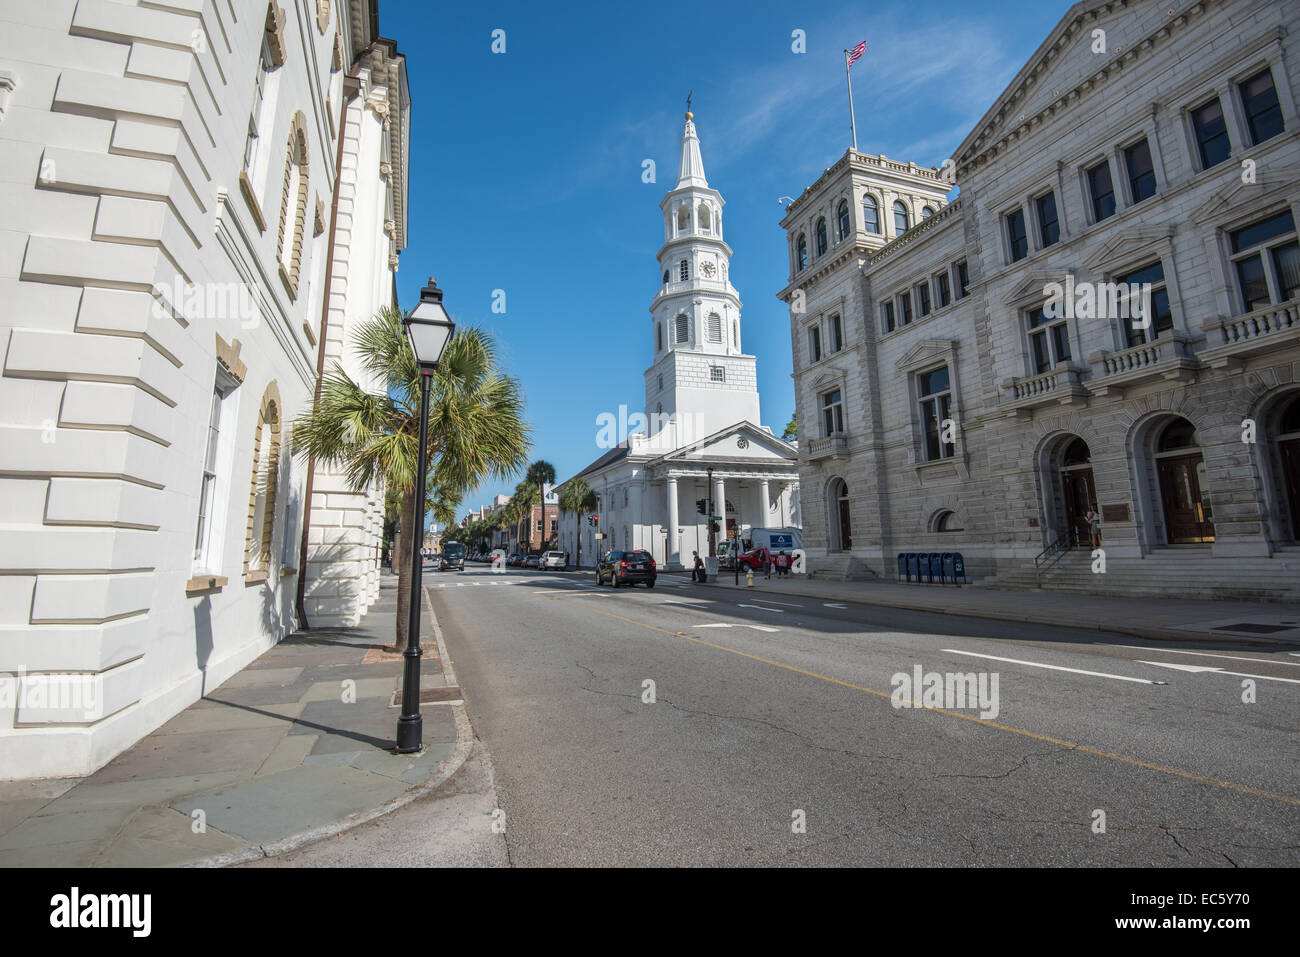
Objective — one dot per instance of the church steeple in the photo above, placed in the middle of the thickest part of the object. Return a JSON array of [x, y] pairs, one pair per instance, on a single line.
[[692, 168]]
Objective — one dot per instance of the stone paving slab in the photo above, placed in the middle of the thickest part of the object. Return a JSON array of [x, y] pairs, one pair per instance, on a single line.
[[270, 755]]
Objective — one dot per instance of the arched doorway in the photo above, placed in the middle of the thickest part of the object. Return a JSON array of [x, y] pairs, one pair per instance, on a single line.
[[1078, 492], [1286, 454], [841, 526], [1184, 490]]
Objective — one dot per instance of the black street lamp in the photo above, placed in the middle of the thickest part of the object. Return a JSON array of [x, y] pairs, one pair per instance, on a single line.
[[429, 329]]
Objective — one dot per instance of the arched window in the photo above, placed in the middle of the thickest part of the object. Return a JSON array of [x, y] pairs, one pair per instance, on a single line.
[[265, 480], [684, 270], [842, 215], [293, 205], [666, 275], [683, 218], [715, 327], [870, 214], [659, 336], [683, 328], [703, 214], [901, 221], [947, 521], [821, 236], [926, 212], [1178, 434], [801, 252]]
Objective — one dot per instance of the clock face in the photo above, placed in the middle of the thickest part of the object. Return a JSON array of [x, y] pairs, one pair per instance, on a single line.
[[708, 269]]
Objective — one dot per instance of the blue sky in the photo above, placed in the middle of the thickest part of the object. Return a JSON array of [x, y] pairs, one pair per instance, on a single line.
[[526, 166]]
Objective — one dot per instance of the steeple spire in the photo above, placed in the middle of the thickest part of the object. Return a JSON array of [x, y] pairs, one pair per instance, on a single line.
[[692, 169]]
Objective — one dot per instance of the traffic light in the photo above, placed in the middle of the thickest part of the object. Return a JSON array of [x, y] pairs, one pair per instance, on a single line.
[[713, 527], [595, 520], [699, 505]]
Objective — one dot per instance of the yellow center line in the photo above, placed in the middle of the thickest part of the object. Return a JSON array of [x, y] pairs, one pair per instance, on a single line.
[[1123, 759]]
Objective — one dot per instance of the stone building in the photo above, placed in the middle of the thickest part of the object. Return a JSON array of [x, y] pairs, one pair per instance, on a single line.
[[995, 380], [198, 198], [700, 436]]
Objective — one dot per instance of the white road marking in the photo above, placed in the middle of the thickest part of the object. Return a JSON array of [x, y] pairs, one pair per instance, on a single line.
[[1035, 664], [786, 603], [775, 611], [831, 604], [1219, 671], [725, 624], [1206, 654]]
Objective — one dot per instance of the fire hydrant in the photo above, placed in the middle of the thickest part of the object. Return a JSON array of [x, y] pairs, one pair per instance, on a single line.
[[749, 577]]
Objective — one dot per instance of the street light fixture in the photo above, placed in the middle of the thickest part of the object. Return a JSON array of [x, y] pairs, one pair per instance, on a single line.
[[429, 329]]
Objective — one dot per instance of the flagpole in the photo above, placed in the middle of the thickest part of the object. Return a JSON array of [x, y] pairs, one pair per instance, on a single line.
[[853, 126]]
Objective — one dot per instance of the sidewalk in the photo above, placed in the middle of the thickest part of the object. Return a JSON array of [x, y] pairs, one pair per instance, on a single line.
[[1161, 619], [275, 758]]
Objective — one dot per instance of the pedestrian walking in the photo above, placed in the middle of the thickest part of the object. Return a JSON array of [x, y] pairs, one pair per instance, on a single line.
[[697, 571], [767, 564], [1094, 525]]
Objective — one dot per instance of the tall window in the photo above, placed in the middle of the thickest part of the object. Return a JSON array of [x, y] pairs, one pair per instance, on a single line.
[[659, 337], [1211, 134], [661, 383], [922, 298], [842, 216], [870, 214], [832, 414], [1049, 341], [1101, 191], [801, 252], [1049, 225], [684, 270], [257, 118], [666, 277], [1259, 103], [963, 280], [934, 394], [1017, 238], [905, 307], [814, 344], [942, 290], [1266, 257], [207, 537], [887, 316], [1161, 318], [821, 236], [293, 204], [715, 327], [901, 220], [683, 328], [1141, 173], [837, 334], [264, 483]]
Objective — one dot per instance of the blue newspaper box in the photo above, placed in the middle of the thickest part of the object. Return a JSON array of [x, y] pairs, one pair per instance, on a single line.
[[958, 568], [936, 567], [913, 566], [902, 567], [948, 570]]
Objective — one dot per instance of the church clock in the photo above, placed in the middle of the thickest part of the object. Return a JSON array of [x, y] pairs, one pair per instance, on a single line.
[[708, 269]]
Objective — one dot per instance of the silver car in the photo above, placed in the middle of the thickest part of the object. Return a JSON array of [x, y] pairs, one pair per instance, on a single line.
[[553, 560]]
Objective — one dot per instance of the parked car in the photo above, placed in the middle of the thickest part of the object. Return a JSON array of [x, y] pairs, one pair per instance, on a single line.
[[514, 560], [754, 559], [627, 568], [553, 560], [530, 561]]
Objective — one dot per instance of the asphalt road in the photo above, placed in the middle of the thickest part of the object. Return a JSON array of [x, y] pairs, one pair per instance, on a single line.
[[771, 737]]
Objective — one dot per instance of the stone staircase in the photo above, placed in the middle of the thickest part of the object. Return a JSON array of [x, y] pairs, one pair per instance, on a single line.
[[1173, 572], [840, 567]]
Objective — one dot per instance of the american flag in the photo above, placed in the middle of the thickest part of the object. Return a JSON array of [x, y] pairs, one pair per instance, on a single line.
[[856, 52]]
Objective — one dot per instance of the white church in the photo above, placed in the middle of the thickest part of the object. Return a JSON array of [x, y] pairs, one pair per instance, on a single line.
[[703, 441]]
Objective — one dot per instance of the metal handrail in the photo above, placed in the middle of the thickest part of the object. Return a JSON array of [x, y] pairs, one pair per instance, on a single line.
[[1048, 558]]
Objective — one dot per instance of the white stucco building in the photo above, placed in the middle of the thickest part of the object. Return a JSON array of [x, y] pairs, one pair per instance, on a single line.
[[197, 201], [701, 437]]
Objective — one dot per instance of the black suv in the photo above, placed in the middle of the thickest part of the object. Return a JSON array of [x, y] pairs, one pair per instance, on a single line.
[[627, 568], [453, 557]]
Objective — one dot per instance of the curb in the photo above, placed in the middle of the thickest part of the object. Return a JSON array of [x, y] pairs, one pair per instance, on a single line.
[[443, 772], [1152, 633]]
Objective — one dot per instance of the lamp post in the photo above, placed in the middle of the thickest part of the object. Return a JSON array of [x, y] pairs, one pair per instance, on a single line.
[[429, 329]]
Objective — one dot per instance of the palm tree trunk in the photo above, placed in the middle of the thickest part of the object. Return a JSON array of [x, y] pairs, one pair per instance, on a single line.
[[578, 535], [408, 539]]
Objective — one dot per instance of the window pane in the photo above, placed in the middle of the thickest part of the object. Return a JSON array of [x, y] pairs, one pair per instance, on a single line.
[[1049, 228], [1061, 341], [1257, 233], [837, 334], [1211, 134], [905, 300], [1259, 99], [931, 424], [1019, 242], [1103, 193], [1254, 288], [1286, 264], [934, 381], [888, 308], [900, 218], [1042, 361], [1153, 274], [963, 280], [945, 290], [1141, 175], [923, 298], [870, 214]]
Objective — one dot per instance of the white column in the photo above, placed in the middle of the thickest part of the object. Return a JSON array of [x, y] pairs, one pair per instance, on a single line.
[[764, 504], [672, 559], [720, 505]]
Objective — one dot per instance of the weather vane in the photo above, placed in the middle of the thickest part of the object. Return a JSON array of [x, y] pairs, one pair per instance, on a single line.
[[688, 100]]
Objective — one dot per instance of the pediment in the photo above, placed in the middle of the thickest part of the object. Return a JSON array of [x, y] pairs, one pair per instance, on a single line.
[[1265, 183], [1127, 243], [1031, 288], [744, 440], [927, 350]]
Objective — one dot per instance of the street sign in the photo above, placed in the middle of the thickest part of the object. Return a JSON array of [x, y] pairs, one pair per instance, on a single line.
[[715, 518]]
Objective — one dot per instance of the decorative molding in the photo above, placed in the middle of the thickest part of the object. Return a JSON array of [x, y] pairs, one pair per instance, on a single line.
[[228, 356], [205, 584], [250, 197], [293, 209], [338, 61], [322, 15], [275, 20], [8, 83], [268, 421], [318, 217]]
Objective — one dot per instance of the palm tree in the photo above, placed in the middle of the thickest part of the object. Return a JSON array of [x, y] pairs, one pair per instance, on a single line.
[[522, 502], [476, 426], [577, 496], [541, 473]]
